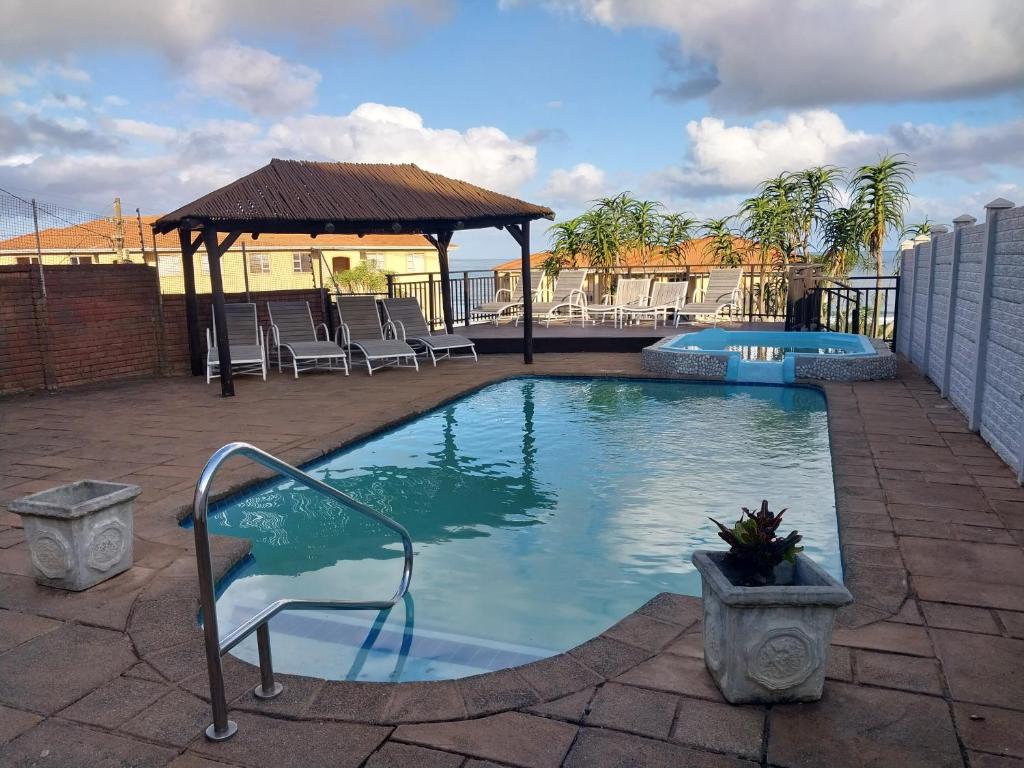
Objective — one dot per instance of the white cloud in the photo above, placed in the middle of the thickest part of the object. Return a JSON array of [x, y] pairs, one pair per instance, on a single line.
[[157, 167], [734, 158], [751, 55], [579, 184], [253, 79]]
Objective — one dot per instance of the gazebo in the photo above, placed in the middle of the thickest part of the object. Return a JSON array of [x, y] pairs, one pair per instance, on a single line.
[[313, 198]]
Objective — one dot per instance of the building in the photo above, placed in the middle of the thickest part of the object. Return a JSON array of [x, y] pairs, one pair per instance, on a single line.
[[269, 262]]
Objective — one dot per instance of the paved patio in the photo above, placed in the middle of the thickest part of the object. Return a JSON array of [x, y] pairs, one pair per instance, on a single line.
[[927, 669]]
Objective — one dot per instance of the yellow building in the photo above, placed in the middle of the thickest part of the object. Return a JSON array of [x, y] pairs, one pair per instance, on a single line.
[[271, 262]]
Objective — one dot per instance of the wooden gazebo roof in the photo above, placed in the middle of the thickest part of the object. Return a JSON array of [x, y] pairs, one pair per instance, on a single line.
[[309, 197]]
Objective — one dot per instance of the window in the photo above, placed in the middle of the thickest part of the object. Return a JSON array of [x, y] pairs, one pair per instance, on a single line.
[[376, 258], [413, 263], [259, 263], [80, 260], [170, 265], [340, 264], [302, 262], [27, 260]]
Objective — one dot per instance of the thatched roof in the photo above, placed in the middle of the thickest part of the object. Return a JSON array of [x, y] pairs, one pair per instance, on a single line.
[[306, 196]]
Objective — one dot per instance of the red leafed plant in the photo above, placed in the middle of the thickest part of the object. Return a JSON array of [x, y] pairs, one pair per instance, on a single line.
[[754, 549]]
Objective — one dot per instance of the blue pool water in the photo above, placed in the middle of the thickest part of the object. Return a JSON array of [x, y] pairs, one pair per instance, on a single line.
[[542, 511]]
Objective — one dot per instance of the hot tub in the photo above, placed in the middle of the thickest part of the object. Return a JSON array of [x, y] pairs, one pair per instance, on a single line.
[[773, 357]]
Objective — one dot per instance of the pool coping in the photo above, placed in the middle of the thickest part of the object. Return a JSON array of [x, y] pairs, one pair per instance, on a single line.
[[879, 593]]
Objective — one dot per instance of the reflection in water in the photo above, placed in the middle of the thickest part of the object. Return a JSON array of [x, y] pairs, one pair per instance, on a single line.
[[541, 512]]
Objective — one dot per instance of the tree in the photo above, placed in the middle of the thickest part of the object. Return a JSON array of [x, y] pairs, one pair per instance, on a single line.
[[816, 191], [364, 277], [643, 222], [842, 240], [721, 245], [566, 244], [676, 230], [882, 192]]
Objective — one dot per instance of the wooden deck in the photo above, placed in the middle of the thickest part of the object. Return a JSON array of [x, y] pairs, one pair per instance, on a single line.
[[507, 338]]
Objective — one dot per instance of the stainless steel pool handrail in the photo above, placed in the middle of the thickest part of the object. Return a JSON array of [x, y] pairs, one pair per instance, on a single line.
[[222, 728]]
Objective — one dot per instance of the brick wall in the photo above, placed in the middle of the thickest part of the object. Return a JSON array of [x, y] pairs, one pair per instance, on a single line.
[[967, 331], [98, 323]]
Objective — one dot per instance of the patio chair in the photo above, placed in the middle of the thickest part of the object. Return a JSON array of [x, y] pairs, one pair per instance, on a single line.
[[293, 331], [566, 295], [246, 343], [630, 292], [407, 317], [506, 300], [721, 292], [665, 298], [360, 331]]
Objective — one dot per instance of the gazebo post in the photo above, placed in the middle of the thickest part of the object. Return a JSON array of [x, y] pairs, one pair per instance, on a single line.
[[220, 324], [521, 234], [188, 271], [441, 243]]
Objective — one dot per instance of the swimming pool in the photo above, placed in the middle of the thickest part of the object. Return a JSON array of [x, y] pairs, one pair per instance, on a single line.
[[542, 512]]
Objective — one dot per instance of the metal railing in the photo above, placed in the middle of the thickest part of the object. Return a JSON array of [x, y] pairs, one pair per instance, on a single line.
[[222, 728], [839, 307], [879, 305]]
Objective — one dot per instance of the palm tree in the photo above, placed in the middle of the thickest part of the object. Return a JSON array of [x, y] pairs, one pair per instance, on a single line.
[[676, 231], [566, 244], [881, 191], [842, 239], [816, 193], [643, 228], [721, 245]]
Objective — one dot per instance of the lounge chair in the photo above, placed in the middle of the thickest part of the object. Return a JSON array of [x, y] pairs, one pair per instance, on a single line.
[[407, 317], [293, 331], [721, 292], [506, 300], [360, 331], [665, 298], [567, 295], [630, 293], [246, 343]]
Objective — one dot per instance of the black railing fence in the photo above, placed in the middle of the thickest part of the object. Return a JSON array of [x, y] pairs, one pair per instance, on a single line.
[[861, 304]]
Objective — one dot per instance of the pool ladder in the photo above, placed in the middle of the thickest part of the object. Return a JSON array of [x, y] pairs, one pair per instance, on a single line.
[[222, 728]]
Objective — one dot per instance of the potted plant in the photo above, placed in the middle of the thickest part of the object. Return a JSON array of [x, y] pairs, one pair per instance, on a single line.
[[768, 613]]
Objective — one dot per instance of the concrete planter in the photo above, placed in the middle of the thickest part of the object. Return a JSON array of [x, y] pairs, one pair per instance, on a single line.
[[78, 534], [769, 644]]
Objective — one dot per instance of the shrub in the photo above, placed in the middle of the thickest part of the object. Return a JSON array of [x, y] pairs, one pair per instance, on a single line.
[[754, 549]]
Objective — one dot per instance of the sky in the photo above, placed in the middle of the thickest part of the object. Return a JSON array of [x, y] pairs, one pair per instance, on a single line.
[[559, 102]]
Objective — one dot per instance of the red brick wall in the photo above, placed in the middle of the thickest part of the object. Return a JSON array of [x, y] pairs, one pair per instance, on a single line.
[[98, 323]]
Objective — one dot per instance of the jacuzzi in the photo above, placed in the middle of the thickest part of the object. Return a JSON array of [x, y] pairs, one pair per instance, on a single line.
[[773, 357]]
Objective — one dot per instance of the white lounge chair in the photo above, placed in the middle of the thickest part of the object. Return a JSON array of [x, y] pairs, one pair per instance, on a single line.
[[360, 331], [506, 300], [567, 299], [630, 293], [407, 317], [246, 343], [665, 298], [293, 331], [721, 292]]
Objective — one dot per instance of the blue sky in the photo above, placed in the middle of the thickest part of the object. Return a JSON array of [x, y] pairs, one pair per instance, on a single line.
[[556, 102]]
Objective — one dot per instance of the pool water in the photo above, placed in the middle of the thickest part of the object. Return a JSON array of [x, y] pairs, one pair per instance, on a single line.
[[542, 512]]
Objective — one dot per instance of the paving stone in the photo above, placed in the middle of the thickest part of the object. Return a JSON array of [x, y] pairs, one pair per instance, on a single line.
[[982, 534], [16, 628], [962, 617], [357, 702], [857, 727], [969, 592], [869, 537], [981, 760], [874, 586], [176, 719], [886, 636], [720, 727], [908, 673], [909, 613], [115, 702], [675, 609], [266, 742], [424, 701], [509, 737], [396, 755], [495, 692], [597, 748], [675, 674], [691, 644], [990, 730], [52, 670], [839, 665], [982, 668], [179, 661], [558, 676], [14, 722], [293, 701], [1014, 623], [573, 707], [192, 760], [162, 623], [969, 560], [608, 657], [944, 515], [644, 632], [69, 744], [625, 708], [875, 557]]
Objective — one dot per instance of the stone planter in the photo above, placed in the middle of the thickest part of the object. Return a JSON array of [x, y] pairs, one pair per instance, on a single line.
[[769, 644], [78, 534]]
